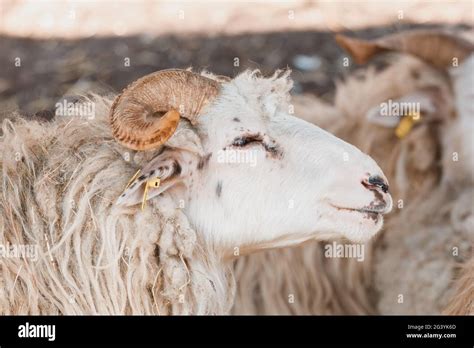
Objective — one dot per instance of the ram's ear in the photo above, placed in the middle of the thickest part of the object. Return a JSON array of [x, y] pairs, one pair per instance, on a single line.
[[170, 167], [389, 113]]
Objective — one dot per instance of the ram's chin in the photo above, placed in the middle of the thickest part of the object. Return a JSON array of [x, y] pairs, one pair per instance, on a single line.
[[357, 226]]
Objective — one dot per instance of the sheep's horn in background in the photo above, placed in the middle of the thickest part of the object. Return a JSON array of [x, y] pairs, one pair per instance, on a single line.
[[147, 112], [433, 46]]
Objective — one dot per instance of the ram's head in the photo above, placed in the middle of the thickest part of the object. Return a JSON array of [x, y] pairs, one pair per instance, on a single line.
[[248, 172]]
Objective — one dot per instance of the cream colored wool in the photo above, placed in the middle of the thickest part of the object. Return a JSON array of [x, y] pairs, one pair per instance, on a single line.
[[301, 282], [59, 184], [462, 302], [421, 245]]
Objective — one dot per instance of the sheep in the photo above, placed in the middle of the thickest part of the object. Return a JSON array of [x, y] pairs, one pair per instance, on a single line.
[[219, 168], [424, 179]]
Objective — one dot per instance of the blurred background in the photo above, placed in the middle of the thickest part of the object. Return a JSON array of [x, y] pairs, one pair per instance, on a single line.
[[55, 49]]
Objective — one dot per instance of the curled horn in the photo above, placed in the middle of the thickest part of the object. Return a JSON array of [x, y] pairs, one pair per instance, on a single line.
[[147, 113], [433, 46]]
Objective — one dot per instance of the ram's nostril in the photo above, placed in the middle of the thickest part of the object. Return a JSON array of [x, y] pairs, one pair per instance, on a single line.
[[375, 180]]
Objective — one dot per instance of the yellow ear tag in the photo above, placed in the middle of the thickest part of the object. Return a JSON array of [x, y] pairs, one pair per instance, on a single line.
[[133, 178], [406, 124], [153, 183]]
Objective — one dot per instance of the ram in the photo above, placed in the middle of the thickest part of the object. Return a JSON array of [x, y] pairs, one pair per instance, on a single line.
[[429, 161], [163, 241]]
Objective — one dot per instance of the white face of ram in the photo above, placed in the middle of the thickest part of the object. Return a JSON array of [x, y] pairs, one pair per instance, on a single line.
[[268, 179]]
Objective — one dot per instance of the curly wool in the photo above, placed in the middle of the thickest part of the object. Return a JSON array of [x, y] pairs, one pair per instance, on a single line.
[[462, 302], [59, 184], [301, 281]]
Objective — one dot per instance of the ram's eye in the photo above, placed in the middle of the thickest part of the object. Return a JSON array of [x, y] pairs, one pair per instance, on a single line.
[[245, 140]]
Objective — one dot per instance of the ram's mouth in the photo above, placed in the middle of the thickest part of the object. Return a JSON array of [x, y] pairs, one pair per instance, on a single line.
[[369, 213]]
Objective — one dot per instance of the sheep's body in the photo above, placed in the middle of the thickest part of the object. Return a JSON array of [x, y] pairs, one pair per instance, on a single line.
[[414, 262], [60, 181], [427, 251]]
